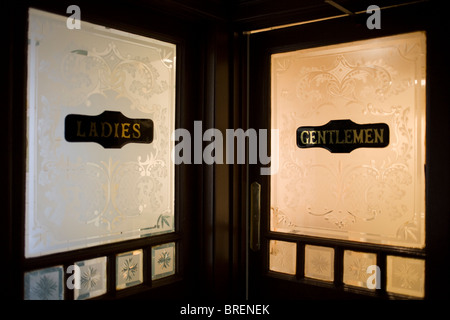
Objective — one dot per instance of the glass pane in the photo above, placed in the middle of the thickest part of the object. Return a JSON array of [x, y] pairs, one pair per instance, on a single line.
[[351, 122], [163, 260], [101, 110], [44, 284], [356, 266], [319, 262], [283, 256], [92, 281], [129, 269], [405, 276]]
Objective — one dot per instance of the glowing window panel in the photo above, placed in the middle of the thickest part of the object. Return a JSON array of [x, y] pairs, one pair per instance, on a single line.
[[283, 256], [351, 147]]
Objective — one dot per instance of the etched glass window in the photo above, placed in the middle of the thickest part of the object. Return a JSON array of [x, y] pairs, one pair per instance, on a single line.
[[351, 121], [101, 110], [283, 256]]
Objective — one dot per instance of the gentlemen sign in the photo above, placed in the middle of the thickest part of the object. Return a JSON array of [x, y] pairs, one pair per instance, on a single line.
[[111, 129], [344, 136]]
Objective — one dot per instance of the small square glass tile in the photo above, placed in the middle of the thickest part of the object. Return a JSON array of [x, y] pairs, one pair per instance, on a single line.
[[319, 262], [92, 278], [163, 260], [405, 276], [129, 269], [356, 265], [44, 284], [283, 256]]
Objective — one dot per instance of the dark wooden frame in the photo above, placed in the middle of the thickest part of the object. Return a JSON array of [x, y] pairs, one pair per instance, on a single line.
[[214, 86]]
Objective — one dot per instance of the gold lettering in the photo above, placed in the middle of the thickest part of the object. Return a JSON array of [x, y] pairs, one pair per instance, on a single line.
[[358, 138], [79, 134], [347, 136], [93, 131], [304, 141], [104, 124], [125, 128], [337, 137], [136, 129], [321, 137], [312, 135], [379, 135], [116, 133], [331, 135], [368, 135]]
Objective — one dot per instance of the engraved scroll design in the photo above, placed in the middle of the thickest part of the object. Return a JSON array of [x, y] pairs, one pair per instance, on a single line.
[[354, 83], [377, 188], [133, 77], [356, 192], [90, 190], [104, 194]]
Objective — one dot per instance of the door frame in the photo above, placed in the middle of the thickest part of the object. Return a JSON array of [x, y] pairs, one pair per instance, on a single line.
[[262, 283], [166, 24]]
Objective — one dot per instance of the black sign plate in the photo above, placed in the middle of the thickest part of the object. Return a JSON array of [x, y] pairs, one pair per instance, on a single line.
[[111, 129], [344, 136]]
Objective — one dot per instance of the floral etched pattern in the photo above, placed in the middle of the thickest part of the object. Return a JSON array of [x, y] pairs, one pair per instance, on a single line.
[[163, 260], [406, 276], [368, 195], [129, 269], [355, 267], [79, 194], [319, 262], [44, 284], [283, 256], [92, 278]]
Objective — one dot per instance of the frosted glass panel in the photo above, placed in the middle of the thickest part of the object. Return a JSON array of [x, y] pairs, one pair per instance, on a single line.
[[92, 278], [319, 262], [163, 260], [355, 268], [44, 284], [94, 173], [405, 276], [351, 121], [129, 269], [283, 256]]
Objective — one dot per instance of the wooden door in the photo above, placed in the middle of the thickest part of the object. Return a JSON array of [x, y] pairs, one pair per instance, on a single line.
[[298, 258]]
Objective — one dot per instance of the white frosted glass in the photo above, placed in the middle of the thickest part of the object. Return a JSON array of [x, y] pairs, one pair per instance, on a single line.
[[129, 269], [44, 284], [92, 278], [374, 195], [82, 194], [163, 260]]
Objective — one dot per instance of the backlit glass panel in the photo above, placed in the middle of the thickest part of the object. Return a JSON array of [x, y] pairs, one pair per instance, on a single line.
[[405, 276], [86, 193], [283, 256], [361, 177]]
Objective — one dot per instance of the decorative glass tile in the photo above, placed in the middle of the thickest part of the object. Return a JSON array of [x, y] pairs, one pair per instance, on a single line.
[[163, 260], [45, 284], [368, 194], [283, 256], [92, 278], [405, 276], [355, 267], [121, 88], [129, 269], [319, 262]]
